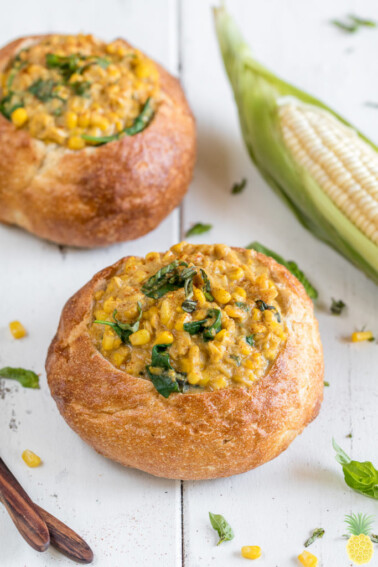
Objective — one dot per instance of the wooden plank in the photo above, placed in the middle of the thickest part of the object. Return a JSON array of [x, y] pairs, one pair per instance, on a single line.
[[279, 504], [126, 516]]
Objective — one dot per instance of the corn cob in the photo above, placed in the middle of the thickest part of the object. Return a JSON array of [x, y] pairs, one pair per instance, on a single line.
[[323, 168]]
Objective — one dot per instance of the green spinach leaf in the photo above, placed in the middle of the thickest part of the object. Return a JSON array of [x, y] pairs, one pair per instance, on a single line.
[[206, 286], [198, 228], [161, 373], [209, 326], [250, 339], [265, 307], [123, 330]]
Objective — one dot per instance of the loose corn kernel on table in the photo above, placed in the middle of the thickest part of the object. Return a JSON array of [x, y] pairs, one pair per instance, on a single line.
[[128, 517]]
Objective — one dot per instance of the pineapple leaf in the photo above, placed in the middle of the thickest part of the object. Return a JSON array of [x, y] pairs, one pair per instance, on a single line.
[[359, 524]]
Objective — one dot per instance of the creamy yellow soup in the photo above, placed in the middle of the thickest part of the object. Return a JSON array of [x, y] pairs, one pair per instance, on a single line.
[[77, 90], [204, 316]]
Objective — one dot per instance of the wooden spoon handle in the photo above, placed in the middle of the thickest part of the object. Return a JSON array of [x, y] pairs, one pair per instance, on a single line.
[[66, 540], [22, 510]]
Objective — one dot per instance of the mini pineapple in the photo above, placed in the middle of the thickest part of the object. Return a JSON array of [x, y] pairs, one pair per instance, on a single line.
[[359, 547]]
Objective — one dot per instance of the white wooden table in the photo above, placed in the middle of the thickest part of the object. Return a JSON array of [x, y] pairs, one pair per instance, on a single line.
[[132, 519]]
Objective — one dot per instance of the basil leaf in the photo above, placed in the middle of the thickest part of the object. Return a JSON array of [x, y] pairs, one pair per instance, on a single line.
[[27, 378], [210, 333], [204, 326], [123, 330], [165, 379], [250, 339], [290, 265], [160, 357], [43, 90], [80, 88], [265, 307], [316, 534], [168, 279], [243, 305], [206, 286], [139, 124], [238, 187], [221, 526], [360, 476], [67, 65], [198, 228], [337, 306], [189, 305]]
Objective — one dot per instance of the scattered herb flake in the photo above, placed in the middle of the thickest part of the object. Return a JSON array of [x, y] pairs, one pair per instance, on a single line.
[[243, 305], [354, 23], [238, 187], [189, 305], [236, 358], [250, 339], [326, 384], [265, 307], [374, 538], [337, 306], [316, 534], [27, 378], [198, 228], [221, 526]]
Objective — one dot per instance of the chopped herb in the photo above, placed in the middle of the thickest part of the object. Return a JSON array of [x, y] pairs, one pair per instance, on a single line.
[[290, 265], [206, 286], [68, 65], [337, 306], [205, 326], [316, 534], [161, 373], [353, 23], [374, 538], [100, 61], [168, 278], [243, 305], [81, 88], [139, 124], [44, 90], [27, 378], [326, 384], [265, 307], [8, 105], [238, 187], [360, 476], [189, 305], [123, 330], [250, 340], [221, 526], [236, 358], [198, 228], [349, 436]]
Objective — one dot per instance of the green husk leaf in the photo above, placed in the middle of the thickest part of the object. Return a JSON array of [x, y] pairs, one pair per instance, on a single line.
[[27, 378], [258, 94], [289, 264]]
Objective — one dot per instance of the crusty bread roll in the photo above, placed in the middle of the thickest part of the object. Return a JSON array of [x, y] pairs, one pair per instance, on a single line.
[[244, 399], [98, 194]]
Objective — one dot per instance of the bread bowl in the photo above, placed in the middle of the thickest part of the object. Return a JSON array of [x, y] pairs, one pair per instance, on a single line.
[[97, 142], [201, 362]]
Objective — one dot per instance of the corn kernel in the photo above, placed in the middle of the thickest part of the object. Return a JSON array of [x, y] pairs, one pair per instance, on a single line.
[[75, 143], [236, 274], [251, 551], [119, 356], [99, 121], [152, 256], [178, 247], [362, 336], [221, 295], [71, 120], [235, 313], [109, 305], [111, 48], [83, 120], [108, 341], [31, 459], [164, 338], [194, 378], [221, 335], [199, 296], [140, 338], [19, 117], [179, 324], [165, 312], [17, 329], [219, 383], [308, 559], [256, 314]]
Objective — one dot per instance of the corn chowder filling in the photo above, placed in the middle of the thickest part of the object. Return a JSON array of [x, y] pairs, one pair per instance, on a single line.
[[77, 90], [197, 316]]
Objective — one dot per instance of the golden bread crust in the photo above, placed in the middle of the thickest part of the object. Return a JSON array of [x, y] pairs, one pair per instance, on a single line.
[[99, 195], [193, 435]]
